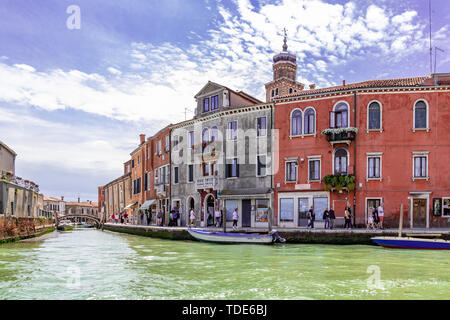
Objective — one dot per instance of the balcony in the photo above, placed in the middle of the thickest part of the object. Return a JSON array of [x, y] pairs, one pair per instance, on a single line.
[[207, 183], [339, 181], [8, 177], [340, 135]]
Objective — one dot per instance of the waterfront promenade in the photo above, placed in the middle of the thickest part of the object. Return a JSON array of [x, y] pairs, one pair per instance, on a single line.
[[294, 235]]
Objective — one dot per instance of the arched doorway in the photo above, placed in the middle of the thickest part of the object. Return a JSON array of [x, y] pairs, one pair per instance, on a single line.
[[209, 209]]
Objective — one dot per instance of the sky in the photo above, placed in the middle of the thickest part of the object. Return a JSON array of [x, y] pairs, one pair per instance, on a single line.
[[73, 101]]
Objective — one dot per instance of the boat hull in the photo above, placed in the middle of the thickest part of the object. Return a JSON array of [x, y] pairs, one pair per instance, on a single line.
[[232, 238], [412, 243]]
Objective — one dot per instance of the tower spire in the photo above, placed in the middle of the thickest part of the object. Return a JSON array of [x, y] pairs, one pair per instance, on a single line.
[[285, 36]]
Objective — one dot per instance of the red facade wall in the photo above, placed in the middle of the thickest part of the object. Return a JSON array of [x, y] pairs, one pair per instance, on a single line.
[[397, 141]]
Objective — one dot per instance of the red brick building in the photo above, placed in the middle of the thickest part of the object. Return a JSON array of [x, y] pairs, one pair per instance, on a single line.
[[362, 144]]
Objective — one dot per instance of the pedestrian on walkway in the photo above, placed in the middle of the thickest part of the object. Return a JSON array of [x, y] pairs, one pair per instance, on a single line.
[[125, 216], [326, 218], [376, 218], [332, 218], [347, 219], [121, 218], [149, 217], [381, 214], [159, 218], [218, 215], [370, 219], [311, 218], [192, 217], [235, 218], [112, 218]]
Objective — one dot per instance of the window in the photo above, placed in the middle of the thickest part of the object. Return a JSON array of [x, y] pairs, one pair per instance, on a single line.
[[175, 175], [232, 130], [214, 133], [261, 127], [320, 204], [296, 123], [287, 209], [374, 116], [314, 170], [191, 139], [156, 147], [232, 168], [291, 171], [262, 210], [206, 105], [132, 163], [159, 147], [174, 144], [339, 117], [340, 161], [445, 207], [156, 177], [273, 92], [167, 172], [167, 143], [261, 166], [420, 167], [374, 167], [420, 115], [310, 121], [205, 135], [12, 208], [215, 169], [190, 173], [205, 169], [230, 206], [290, 90], [214, 102], [145, 182], [303, 208], [276, 92], [139, 160]]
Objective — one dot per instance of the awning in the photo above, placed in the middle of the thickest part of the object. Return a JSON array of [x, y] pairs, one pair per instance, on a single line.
[[244, 193], [130, 205], [147, 204]]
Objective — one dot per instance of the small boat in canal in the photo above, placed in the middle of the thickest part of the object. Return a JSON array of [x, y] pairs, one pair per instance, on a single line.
[[232, 237], [412, 243]]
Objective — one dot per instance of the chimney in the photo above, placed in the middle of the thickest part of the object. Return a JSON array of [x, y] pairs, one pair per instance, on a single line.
[[78, 199], [142, 138], [343, 82], [312, 86], [62, 198]]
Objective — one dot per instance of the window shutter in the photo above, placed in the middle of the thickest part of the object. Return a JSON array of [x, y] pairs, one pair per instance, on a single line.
[[331, 119], [237, 168]]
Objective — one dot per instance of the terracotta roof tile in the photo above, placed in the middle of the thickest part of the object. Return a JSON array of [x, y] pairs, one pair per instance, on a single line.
[[402, 82]]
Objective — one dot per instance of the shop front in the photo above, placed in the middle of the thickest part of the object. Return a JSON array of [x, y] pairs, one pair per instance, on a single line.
[[148, 209]]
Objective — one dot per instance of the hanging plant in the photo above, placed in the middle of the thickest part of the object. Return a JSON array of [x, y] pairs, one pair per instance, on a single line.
[[351, 186]]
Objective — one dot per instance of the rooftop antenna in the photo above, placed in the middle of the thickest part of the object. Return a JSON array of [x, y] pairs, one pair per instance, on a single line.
[[185, 112], [435, 49], [431, 50]]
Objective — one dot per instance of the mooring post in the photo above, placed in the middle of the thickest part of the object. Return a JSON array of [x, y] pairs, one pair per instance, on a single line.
[[400, 224]]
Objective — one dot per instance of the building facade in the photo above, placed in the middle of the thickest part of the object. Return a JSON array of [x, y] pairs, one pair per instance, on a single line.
[[82, 208], [54, 205], [7, 159], [222, 158], [115, 196]]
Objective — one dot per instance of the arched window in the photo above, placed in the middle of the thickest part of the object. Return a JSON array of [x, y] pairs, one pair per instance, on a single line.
[[374, 116], [296, 122], [276, 92], [273, 91], [290, 90], [214, 133], [340, 161], [205, 135], [420, 115], [310, 121], [339, 117]]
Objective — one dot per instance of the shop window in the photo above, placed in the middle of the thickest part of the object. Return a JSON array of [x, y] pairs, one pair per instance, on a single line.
[[262, 210], [286, 209]]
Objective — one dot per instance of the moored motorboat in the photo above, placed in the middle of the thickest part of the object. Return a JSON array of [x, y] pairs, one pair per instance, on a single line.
[[231, 237], [412, 243]]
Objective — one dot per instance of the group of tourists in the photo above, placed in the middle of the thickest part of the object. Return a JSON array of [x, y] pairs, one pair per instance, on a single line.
[[215, 220], [174, 215], [328, 217], [375, 217], [119, 218]]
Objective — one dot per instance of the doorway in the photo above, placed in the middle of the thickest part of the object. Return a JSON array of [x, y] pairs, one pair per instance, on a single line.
[[371, 203], [246, 213], [209, 214], [419, 213]]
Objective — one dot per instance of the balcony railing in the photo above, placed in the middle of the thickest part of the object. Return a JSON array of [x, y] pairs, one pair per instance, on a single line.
[[337, 135], [7, 176], [206, 182]]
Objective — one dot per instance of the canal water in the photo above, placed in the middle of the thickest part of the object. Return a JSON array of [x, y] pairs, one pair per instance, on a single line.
[[91, 264]]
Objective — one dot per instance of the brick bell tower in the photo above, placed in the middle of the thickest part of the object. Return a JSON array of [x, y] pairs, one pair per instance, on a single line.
[[284, 74]]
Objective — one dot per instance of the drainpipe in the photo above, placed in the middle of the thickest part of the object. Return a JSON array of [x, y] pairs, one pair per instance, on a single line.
[[271, 179], [354, 157], [170, 169]]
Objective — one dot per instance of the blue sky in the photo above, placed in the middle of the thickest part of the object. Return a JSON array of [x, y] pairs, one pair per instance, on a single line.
[[73, 102]]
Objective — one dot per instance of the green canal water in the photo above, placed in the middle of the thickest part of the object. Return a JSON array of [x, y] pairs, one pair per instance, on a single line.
[[90, 264]]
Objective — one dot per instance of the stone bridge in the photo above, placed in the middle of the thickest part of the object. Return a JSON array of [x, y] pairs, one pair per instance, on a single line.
[[97, 220]]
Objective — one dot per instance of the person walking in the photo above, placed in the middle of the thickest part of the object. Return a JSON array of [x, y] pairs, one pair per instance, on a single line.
[[218, 215], [159, 218], [235, 217], [381, 215], [376, 218], [326, 218], [370, 219], [347, 218], [113, 218], [192, 217], [311, 218], [332, 217], [125, 217]]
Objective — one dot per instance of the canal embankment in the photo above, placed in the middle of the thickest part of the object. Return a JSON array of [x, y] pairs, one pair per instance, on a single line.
[[305, 236], [15, 229]]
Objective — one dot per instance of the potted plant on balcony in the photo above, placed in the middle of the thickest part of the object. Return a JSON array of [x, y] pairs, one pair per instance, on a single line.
[[327, 180]]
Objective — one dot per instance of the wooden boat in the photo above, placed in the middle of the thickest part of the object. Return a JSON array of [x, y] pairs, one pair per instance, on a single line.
[[412, 243], [231, 237]]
